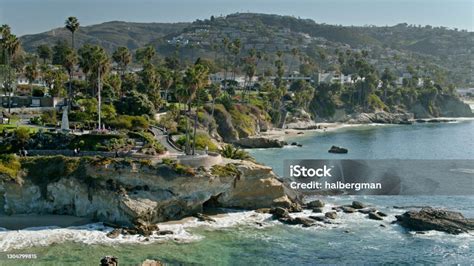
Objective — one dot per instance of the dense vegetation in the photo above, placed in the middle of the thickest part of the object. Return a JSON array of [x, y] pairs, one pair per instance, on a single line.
[[137, 82], [443, 50]]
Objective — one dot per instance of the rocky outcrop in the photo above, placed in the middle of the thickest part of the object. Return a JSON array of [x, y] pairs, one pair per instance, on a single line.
[[336, 149], [128, 193], [445, 106], [225, 127], [435, 219], [259, 142], [380, 117]]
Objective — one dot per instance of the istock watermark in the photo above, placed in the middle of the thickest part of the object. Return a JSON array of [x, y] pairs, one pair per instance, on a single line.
[[381, 177]]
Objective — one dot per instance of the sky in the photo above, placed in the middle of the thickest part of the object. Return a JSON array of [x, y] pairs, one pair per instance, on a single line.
[[34, 16]]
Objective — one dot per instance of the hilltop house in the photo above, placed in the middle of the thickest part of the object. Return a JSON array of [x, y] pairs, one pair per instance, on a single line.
[[218, 78], [335, 77], [399, 80]]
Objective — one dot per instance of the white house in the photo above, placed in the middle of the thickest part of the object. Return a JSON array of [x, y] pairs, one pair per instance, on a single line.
[[335, 77], [218, 78]]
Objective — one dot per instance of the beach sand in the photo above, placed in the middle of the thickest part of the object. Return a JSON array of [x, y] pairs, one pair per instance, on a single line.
[[282, 134]]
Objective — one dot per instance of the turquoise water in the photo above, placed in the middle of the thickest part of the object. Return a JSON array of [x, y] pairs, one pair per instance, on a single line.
[[418, 141], [237, 239]]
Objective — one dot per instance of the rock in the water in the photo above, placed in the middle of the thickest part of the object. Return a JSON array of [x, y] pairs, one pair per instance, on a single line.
[[318, 218], [367, 210], [348, 209], [331, 215], [317, 210], [204, 218], [336, 149], [295, 207], [374, 216], [109, 261], [315, 204], [279, 212], [114, 233], [145, 228], [358, 205], [306, 222], [165, 232], [259, 142], [152, 263], [435, 219], [263, 210], [382, 214]]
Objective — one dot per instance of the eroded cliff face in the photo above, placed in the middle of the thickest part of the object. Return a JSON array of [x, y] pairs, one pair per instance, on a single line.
[[121, 192]]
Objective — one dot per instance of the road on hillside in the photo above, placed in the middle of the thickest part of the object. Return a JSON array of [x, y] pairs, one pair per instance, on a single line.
[[162, 137]]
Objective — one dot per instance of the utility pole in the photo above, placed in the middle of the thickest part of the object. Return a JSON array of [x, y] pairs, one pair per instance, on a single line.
[[99, 98]]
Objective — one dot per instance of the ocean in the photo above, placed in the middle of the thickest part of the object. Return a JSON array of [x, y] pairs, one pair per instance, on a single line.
[[249, 238]]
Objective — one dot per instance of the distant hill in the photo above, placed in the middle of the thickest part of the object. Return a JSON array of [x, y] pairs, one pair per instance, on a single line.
[[435, 48], [110, 35]]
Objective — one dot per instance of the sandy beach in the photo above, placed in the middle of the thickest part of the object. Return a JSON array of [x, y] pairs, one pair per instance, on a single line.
[[282, 134]]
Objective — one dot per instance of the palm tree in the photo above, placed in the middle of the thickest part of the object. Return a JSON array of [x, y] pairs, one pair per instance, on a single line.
[[195, 78], [70, 60], [250, 70], [166, 80], [10, 46], [146, 54], [122, 57], [44, 52], [235, 49], [294, 52], [215, 91], [32, 73], [225, 45], [72, 24], [94, 59]]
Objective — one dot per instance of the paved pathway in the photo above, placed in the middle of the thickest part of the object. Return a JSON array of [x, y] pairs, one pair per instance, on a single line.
[[162, 137]]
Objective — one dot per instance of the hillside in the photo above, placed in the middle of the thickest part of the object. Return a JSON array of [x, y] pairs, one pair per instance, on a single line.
[[110, 35], [434, 50]]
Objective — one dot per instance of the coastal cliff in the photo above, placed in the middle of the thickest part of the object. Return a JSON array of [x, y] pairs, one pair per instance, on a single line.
[[123, 191]]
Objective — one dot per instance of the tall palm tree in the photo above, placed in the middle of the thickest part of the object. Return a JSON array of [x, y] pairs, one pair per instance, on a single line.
[[94, 59], [294, 52], [166, 80], [10, 47], [215, 91], [72, 24], [32, 73], [196, 77], [123, 58], [146, 54], [70, 60], [225, 46]]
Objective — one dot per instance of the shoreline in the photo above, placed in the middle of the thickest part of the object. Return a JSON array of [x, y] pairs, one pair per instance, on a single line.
[[283, 134]]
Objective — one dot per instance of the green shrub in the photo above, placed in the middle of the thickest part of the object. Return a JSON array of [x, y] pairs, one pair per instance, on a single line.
[[231, 152], [9, 167], [202, 140], [37, 92], [228, 170], [129, 122], [49, 117], [98, 142], [376, 103]]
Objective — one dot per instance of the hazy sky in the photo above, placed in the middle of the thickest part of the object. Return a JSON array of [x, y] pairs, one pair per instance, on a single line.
[[33, 16]]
